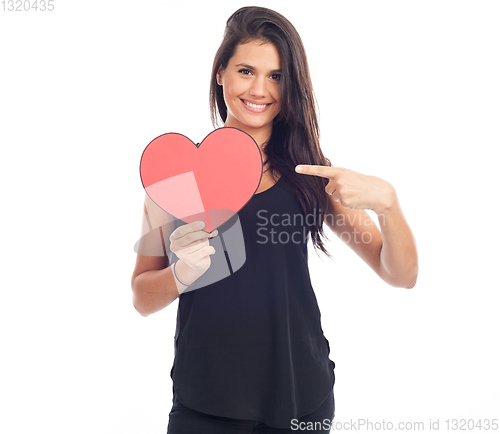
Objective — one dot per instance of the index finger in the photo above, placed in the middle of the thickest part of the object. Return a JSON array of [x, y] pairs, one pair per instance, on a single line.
[[308, 169], [186, 229]]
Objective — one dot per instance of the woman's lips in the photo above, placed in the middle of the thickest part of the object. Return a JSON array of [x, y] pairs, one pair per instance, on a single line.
[[253, 107]]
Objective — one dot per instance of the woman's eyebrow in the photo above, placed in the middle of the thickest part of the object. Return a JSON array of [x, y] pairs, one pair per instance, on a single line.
[[244, 65]]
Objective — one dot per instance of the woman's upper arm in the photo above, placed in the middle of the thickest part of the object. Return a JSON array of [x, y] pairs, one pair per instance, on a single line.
[[357, 229], [153, 248]]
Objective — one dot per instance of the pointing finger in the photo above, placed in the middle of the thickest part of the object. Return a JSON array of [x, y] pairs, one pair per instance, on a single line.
[[308, 169]]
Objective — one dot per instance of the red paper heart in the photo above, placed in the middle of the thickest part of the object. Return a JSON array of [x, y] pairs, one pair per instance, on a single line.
[[210, 182]]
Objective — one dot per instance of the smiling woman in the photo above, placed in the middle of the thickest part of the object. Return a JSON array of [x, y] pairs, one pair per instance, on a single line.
[[266, 49], [250, 353]]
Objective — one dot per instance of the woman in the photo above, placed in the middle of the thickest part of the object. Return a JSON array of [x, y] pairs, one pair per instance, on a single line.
[[251, 356]]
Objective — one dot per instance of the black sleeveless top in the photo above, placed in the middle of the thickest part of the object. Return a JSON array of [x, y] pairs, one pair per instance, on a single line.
[[250, 345]]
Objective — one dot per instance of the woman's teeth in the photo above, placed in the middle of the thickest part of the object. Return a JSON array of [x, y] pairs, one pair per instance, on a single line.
[[255, 105]]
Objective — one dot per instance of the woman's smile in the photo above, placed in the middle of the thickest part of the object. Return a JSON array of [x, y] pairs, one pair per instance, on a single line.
[[255, 107]]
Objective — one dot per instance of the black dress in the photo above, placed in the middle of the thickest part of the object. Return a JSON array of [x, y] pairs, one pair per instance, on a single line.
[[250, 345]]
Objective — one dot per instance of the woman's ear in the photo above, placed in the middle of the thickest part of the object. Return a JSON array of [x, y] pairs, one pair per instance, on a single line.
[[220, 73]]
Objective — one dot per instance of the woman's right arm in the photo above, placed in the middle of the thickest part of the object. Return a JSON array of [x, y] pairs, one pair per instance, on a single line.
[[154, 284]]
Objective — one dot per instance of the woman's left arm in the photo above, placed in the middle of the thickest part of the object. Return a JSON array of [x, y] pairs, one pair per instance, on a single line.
[[391, 251]]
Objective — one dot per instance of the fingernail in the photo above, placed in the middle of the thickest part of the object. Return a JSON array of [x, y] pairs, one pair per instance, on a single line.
[[298, 168], [215, 233], [201, 224]]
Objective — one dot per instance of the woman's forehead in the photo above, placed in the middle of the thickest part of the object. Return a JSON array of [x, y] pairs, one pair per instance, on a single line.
[[257, 53]]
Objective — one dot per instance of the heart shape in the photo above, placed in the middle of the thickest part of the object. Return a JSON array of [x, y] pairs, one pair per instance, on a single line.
[[210, 181]]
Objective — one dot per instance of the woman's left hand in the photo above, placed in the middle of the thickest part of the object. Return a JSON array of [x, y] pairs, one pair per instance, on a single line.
[[352, 189]]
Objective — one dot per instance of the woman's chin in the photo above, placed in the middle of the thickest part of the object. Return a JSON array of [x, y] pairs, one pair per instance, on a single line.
[[248, 122], [255, 124]]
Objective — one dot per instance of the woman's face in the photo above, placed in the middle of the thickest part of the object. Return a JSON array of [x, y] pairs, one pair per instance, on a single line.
[[250, 85]]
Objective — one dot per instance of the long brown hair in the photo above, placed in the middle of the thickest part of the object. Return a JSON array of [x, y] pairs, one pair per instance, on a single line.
[[295, 134]]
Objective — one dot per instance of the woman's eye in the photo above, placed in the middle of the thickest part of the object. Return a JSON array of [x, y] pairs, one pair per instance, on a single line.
[[276, 77], [244, 71]]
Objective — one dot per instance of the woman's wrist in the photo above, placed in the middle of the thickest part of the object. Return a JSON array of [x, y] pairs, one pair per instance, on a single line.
[[388, 200], [184, 275]]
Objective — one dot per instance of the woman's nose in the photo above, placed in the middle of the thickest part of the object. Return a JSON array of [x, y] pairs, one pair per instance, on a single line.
[[258, 88]]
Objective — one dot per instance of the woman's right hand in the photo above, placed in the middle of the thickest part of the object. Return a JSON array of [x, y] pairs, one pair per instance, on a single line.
[[190, 243]]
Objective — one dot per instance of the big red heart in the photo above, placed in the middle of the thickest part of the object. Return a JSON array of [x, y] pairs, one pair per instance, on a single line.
[[210, 182]]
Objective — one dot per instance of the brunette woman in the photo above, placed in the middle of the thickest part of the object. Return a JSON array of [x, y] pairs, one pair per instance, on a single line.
[[250, 353]]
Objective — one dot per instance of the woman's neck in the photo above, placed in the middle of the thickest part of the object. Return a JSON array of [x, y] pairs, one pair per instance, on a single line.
[[260, 135]]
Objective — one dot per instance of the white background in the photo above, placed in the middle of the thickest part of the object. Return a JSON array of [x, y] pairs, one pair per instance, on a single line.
[[408, 91]]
